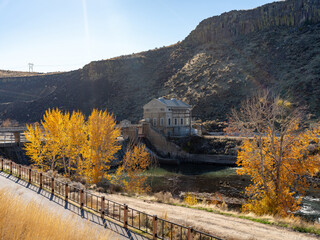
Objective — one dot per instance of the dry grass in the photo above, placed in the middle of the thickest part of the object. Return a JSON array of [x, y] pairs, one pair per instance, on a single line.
[[19, 220], [164, 197]]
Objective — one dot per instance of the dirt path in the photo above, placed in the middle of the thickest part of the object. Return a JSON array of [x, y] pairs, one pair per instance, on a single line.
[[219, 225]]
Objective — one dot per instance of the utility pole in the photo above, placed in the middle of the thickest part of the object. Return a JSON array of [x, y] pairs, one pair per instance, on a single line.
[[30, 67]]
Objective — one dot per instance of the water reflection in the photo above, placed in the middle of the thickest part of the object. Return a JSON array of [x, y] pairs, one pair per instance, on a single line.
[[199, 169]]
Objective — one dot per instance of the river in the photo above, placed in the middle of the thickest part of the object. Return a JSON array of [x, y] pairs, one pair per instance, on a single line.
[[189, 177]]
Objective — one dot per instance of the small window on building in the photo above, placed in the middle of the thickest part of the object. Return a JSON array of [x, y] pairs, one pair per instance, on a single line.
[[147, 110], [175, 122], [187, 121], [169, 121], [161, 109], [147, 119], [181, 122], [161, 122], [154, 122]]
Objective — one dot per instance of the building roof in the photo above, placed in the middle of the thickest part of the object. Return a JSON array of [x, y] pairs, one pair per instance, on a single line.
[[173, 102]]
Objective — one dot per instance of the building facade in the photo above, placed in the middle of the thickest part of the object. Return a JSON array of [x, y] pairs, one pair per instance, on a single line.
[[171, 117]]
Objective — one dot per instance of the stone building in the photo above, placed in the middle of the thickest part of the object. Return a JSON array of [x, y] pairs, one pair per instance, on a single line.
[[170, 117]]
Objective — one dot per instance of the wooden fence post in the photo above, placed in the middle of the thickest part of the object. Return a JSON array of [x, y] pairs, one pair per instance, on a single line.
[[30, 175], [81, 198], [154, 227], [66, 192], [190, 230], [52, 185], [40, 180], [125, 216], [102, 206], [10, 164], [19, 173]]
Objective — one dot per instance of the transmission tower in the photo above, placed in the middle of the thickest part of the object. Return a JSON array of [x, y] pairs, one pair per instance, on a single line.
[[30, 67]]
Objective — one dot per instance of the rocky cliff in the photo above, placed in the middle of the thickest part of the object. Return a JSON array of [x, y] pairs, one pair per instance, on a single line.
[[290, 13], [224, 60]]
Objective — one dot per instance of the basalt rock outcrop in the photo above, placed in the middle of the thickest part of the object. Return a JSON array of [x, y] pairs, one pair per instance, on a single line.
[[290, 13]]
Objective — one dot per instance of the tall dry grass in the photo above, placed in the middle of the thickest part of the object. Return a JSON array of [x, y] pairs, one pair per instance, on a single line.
[[26, 221]]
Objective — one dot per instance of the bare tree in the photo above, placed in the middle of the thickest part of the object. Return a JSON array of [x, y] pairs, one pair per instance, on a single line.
[[275, 153]]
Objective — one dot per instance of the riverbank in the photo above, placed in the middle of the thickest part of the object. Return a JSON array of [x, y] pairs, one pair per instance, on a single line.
[[207, 181]]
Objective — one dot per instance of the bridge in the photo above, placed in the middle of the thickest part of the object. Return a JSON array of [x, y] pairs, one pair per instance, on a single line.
[[12, 136]]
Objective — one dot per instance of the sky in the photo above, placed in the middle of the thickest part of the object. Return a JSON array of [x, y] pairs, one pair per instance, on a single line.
[[63, 35]]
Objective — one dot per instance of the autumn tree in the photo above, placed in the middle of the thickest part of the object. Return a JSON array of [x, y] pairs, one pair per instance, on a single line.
[[35, 146], [76, 137], [131, 173], [68, 142], [100, 146], [276, 153], [50, 141], [53, 124]]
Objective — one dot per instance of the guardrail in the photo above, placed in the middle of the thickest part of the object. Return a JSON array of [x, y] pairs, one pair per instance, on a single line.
[[151, 225]]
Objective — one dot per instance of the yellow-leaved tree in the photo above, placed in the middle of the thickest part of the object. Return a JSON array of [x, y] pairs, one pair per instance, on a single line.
[[53, 126], [68, 142], [35, 148], [131, 173], [76, 137], [100, 146], [278, 154]]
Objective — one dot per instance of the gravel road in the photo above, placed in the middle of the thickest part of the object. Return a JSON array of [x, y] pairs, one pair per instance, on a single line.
[[221, 226]]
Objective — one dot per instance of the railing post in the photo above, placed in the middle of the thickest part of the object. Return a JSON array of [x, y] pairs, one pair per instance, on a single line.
[[19, 169], [52, 185], [2, 164], [40, 180], [30, 175], [10, 164], [81, 198], [154, 227], [125, 216], [102, 206], [190, 230], [66, 192]]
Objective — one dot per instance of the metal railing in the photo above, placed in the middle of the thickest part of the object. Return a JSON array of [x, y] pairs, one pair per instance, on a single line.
[[151, 225]]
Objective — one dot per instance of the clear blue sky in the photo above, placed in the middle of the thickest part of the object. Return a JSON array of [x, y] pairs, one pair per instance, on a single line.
[[60, 35]]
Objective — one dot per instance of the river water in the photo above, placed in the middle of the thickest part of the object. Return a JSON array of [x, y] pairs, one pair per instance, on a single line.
[[215, 178]]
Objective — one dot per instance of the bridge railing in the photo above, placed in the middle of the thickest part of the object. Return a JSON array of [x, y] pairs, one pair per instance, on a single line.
[[6, 139], [9, 139], [157, 228]]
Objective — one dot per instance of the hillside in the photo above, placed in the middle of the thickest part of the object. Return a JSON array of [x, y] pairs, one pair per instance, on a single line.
[[7, 73], [225, 59]]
